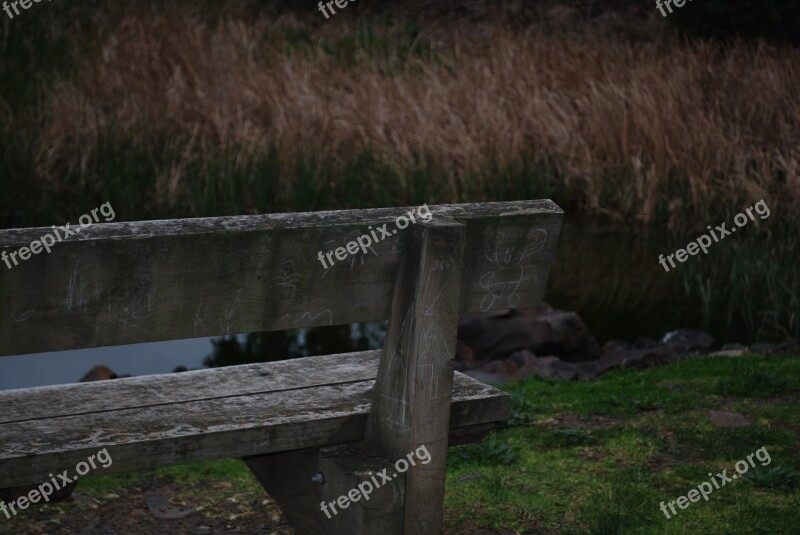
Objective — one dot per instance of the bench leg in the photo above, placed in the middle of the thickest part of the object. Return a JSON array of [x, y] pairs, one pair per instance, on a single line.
[[301, 480], [411, 400], [410, 410], [287, 477]]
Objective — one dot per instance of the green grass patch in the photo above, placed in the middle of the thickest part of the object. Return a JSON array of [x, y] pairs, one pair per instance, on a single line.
[[599, 457], [751, 379], [580, 458]]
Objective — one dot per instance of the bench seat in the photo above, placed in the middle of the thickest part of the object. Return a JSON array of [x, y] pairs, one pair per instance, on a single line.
[[152, 421]]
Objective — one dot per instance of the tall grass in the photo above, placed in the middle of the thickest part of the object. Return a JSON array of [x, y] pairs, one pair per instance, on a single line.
[[195, 109], [656, 132], [754, 292]]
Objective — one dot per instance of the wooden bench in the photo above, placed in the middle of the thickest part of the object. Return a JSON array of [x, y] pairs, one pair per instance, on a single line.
[[312, 428]]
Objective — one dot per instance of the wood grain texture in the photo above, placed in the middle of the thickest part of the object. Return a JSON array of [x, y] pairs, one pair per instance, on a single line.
[[145, 391], [347, 466], [287, 477], [124, 283], [199, 424], [415, 376], [161, 280]]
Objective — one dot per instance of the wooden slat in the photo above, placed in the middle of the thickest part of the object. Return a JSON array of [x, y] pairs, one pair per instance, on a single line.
[[124, 283], [146, 391], [410, 408], [146, 436]]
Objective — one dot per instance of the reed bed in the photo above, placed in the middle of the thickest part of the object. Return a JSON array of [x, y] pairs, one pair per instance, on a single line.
[[197, 109], [659, 131]]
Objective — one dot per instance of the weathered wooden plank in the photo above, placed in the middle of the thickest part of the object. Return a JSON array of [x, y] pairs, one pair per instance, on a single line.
[[345, 468], [300, 480], [288, 477], [410, 408], [150, 391], [123, 283], [145, 438]]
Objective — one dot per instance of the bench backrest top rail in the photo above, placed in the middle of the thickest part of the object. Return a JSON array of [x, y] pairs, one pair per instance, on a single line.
[[125, 283]]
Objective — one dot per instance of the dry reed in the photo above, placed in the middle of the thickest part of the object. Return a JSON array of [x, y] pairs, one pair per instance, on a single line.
[[717, 124]]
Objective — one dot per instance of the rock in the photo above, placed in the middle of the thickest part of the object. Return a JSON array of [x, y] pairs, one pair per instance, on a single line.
[[726, 347], [555, 368], [542, 330], [161, 508], [653, 357], [465, 356], [791, 347], [98, 373], [490, 338], [728, 419], [593, 368], [615, 347], [78, 497], [561, 333], [523, 364], [488, 378], [728, 353], [502, 346], [642, 359], [646, 343], [688, 340], [504, 368], [523, 358]]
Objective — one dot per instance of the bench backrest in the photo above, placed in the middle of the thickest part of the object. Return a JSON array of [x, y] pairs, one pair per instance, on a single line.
[[123, 283]]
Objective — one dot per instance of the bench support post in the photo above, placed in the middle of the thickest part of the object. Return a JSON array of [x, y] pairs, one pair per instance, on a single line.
[[410, 414], [300, 481], [410, 410]]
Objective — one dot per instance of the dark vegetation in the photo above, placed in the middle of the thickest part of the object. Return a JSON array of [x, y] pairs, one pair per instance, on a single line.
[[602, 106]]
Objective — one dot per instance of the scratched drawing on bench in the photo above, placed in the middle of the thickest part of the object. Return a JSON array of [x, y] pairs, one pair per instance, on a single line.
[[508, 252]]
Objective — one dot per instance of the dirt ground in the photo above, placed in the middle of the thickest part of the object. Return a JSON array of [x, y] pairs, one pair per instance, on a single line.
[[155, 508], [152, 508]]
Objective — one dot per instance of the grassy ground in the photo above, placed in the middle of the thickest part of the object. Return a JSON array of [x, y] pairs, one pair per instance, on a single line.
[[600, 457], [582, 458]]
